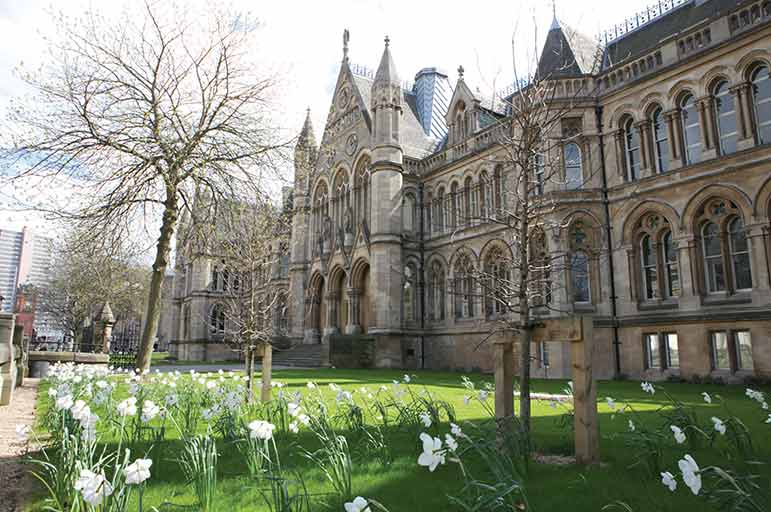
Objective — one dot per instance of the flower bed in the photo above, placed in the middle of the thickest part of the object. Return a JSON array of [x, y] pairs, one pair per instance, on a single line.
[[396, 442]]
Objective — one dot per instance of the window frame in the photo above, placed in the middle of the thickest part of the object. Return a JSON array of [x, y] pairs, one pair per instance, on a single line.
[[586, 275], [577, 167], [692, 151], [761, 125], [659, 124], [720, 90], [632, 154]]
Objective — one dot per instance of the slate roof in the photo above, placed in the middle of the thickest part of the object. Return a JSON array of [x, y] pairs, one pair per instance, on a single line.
[[414, 141], [641, 40], [567, 53]]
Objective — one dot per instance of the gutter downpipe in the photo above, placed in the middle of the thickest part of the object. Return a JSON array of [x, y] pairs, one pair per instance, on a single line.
[[609, 239]]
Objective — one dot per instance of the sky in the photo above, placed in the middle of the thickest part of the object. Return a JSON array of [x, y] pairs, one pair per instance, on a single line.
[[302, 41]]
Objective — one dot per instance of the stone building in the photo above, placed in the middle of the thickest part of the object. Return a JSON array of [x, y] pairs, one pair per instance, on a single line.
[[664, 204]]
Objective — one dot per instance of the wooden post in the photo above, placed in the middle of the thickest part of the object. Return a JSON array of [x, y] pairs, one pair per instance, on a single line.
[[587, 438], [504, 379], [267, 366]]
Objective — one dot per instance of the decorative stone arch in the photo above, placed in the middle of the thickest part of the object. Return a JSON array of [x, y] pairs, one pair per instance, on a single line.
[[337, 301], [464, 270], [360, 303], [461, 251], [640, 210], [747, 64], [698, 200], [315, 320], [650, 102], [361, 183], [713, 76], [493, 244], [437, 277], [321, 181], [761, 205], [680, 88], [622, 111], [584, 245]]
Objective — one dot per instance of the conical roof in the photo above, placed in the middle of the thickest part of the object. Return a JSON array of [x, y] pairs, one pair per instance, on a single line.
[[566, 53], [307, 137], [386, 72]]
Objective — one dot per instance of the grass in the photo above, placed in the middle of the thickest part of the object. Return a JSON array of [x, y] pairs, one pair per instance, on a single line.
[[403, 485]]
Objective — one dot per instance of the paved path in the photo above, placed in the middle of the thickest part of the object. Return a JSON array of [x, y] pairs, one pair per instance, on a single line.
[[201, 368], [14, 481]]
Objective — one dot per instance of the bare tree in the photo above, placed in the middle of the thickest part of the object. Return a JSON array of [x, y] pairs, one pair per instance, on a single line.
[[84, 276], [144, 112], [250, 247], [533, 160]]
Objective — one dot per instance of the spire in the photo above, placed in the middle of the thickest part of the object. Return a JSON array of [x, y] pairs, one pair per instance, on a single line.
[[346, 38], [307, 137], [555, 24], [386, 72]]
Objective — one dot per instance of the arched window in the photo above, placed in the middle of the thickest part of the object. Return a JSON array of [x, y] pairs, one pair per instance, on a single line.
[[539, 288], [409, 294], [579, 270], [342, 198], [408, 213], [725, 115], [217, 320], [691, 129], [215, 278], [318, 217], [282, 314], [498, 196], [649, 267], [361, 185], [496, 282], [713, 257], [454, 205], [671, 271], [469, 202], [486, 196], [463, 287], [761, 98], [660, 140], [632, 150], [574, 177], [740, 255], [439, 211], [436, 291]]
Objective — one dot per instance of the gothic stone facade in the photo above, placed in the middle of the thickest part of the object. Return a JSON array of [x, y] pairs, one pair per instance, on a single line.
[[664, 205]]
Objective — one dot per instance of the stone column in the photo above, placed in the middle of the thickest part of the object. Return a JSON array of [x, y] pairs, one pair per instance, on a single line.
[[646, 163], [352, 326], [760, 277], [311, 334], [742, 99], [704, 106], [331, 328], [687, 255], [7, 358], [586, 423], [618, 138], [675, 141]]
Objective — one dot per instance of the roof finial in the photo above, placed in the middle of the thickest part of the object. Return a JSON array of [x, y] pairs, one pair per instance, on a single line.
[[346, 38], [555, 24], [387, 41], [460, 72]]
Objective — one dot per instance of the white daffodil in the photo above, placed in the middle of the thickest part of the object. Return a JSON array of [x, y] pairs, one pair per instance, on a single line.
[[719, 425], [691, 475], [358, 504], [293, 427], [94, 487], [707, 398], [754, 395], [668, 480], [63, 403], [768, 420], [304, 419], [311, 385], [149, 411], [455, 430], [211, 384], [432, 454], [344, 396], [764, 406], [451, 443], [133, 388], [259, 429], [207, 414], [406, 379], [679, 435], [483, 395], [52, 392], [648, 388], [22, 432], [293, 409], [138, 471], [88, 424], [80, 408], [334, 387], [426, 419], [631, 426], [466, 400], [611, 402], [128, 407], [171, 400]]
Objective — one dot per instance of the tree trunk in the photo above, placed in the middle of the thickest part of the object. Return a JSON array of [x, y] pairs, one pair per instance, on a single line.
[[163, 248], [267, 370], [249, 375], [525, 335]]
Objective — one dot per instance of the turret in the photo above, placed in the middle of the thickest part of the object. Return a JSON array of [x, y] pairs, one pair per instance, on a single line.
[[305, 153], [386, 101]]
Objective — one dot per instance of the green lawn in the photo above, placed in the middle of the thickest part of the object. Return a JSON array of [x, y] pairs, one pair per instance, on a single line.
[[405, 486]]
